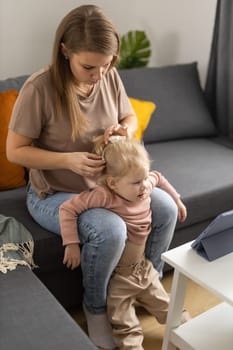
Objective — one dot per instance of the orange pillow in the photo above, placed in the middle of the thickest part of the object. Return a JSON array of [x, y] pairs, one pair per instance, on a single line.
[[143, 110], [11, 175]]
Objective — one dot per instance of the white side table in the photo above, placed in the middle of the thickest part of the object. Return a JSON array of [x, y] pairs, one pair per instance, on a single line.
[[213, 329]]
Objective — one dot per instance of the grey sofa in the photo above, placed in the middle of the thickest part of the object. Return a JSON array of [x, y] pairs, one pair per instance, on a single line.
[[184, 145], [31, 318]]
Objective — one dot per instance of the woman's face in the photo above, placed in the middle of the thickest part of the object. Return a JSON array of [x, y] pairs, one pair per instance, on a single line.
[[89, 67]]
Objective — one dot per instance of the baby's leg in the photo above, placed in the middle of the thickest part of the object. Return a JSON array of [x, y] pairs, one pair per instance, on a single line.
[[155, 299], [127, 331]]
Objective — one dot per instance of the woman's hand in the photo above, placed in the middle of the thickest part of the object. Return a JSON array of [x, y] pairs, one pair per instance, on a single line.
[[72, 256], [85, 164], [182, 211], [117, 129]]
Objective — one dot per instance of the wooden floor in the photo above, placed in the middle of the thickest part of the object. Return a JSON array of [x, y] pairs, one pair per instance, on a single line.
[[197, 301]]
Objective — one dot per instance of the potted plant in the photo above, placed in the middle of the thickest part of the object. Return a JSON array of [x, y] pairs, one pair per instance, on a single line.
[[135, 50]]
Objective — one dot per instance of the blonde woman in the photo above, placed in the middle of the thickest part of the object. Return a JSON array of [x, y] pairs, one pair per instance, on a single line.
[[56, 114]]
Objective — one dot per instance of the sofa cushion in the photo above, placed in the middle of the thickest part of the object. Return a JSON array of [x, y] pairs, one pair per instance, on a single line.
[[143, 111], [11, 175], [181, 108], [201, 171], [31, 318]]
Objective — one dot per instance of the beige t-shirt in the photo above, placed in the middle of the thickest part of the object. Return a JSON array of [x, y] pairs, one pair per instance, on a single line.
[[34, 116]]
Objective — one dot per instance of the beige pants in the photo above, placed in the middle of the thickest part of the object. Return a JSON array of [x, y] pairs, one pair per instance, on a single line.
[[134, 282]]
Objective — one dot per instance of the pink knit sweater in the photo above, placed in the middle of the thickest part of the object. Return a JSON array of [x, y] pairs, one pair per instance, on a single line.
[[137, 215]]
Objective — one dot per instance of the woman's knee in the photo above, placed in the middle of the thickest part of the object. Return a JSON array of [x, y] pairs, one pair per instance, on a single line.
[[102, 225], [163, 206]]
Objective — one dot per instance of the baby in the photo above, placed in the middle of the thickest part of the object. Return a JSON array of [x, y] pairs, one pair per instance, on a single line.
[[124, 188]]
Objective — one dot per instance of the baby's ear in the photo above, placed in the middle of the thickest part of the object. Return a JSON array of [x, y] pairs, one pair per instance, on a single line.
[[111, 182]]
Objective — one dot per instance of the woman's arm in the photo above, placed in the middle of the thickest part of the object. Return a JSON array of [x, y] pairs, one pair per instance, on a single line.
[[131, 122], [20, 151]]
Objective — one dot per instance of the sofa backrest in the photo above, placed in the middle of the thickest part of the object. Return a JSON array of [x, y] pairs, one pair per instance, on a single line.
[[181, 110], [181, 107], [12, 83]]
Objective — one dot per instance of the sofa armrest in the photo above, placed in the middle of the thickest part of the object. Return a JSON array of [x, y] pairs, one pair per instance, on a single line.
[[31, 318]]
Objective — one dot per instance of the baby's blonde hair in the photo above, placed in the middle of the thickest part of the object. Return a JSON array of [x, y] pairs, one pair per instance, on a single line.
[[121, 157]]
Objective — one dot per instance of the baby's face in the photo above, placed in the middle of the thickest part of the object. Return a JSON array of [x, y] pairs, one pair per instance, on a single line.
[[133, 186]]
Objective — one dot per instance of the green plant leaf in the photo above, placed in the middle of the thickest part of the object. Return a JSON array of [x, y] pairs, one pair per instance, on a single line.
[[135, 50]]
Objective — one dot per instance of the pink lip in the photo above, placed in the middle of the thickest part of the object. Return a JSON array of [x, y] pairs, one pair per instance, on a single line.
[[142, 195]]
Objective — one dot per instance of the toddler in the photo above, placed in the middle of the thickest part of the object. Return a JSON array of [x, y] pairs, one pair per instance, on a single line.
[[124, 187]]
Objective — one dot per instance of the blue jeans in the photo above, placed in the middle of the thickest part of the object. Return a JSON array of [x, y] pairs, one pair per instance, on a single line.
[[102, 235]]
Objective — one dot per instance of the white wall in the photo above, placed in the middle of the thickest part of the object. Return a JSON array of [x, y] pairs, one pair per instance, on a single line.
[[180, 30]]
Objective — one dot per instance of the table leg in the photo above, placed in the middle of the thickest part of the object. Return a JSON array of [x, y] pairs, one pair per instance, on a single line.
[[179, 284]]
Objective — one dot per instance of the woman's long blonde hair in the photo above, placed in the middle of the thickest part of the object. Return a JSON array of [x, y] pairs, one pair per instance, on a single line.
[[121, 156], [85, 28]]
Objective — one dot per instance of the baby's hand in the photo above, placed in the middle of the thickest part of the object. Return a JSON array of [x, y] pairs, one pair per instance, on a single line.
[[72, 256], [182, 211]]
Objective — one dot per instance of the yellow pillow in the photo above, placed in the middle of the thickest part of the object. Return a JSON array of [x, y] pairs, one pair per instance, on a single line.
[[11, 175], [143, 111]]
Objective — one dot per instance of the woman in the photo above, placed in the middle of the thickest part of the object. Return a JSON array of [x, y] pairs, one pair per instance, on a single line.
[[57, 113]]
